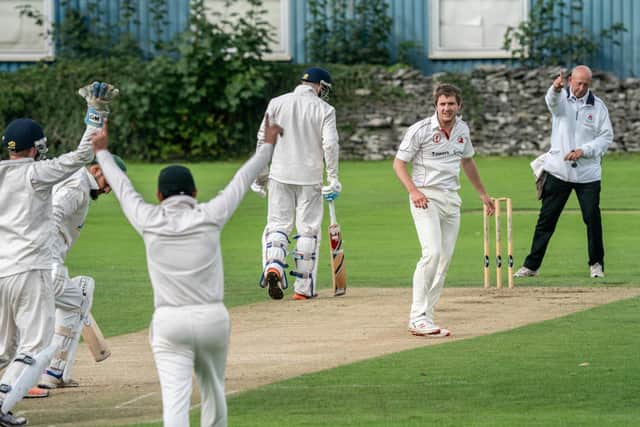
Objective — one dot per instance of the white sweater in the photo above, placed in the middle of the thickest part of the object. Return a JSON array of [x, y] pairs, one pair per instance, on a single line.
[[182, 236]]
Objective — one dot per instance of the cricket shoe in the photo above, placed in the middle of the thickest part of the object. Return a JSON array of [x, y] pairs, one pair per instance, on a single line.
[[422, 328], [36, 393], [50, 381], [274, 284], [596, 270], [302, 297], [525, 272], [9, 420]]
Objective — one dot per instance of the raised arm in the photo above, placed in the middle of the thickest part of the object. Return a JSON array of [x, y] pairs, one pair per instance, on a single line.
[[133, 205], [46, 173], [555, 98]]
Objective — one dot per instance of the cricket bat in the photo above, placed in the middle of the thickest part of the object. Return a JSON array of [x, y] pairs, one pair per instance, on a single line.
[[92, 335], [338, 272]]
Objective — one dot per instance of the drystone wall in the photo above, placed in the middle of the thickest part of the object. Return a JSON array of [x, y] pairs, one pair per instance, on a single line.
[[504, 108]]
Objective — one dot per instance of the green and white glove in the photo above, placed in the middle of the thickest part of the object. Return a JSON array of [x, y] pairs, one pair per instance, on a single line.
[[98, 96]]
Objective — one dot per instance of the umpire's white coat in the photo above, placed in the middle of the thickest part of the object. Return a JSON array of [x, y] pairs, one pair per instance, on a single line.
[[577, 123], [26, 295], [190, 324]]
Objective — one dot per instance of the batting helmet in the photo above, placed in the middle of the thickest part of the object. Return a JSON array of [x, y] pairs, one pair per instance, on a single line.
[[22, 134], [317, 75]]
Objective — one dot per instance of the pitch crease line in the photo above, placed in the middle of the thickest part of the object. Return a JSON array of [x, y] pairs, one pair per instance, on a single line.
[[144, 396]]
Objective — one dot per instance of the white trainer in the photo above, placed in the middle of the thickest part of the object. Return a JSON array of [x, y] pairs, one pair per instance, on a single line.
[[421, 328], [525, 272], [596, 270]]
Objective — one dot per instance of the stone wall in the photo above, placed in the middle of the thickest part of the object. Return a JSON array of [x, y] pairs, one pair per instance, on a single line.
[[504, 107]]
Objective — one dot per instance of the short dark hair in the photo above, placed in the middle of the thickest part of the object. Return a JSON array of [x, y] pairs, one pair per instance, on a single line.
[[446, 89]]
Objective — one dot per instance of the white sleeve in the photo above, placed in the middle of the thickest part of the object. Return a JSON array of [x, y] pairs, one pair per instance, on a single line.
[[599, 146], [66, 201], [221, 207], [133, 205], [49, 172], [330, 145], [555, 101], [408, 147]]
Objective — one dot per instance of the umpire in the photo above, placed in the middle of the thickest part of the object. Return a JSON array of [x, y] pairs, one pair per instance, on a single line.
[[580, 136]]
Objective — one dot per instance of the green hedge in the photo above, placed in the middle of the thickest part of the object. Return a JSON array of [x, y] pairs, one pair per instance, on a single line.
[[163, 112]]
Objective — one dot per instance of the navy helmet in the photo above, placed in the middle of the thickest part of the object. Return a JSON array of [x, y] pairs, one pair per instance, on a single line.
[[320, 76], [317, 75], [22, 134]]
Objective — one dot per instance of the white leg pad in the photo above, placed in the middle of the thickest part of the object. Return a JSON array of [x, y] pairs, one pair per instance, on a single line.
[[33, 367], [276, 244], [305, 259], [68, 329]]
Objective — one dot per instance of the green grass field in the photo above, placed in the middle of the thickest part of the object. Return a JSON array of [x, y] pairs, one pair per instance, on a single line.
[[528, 376]]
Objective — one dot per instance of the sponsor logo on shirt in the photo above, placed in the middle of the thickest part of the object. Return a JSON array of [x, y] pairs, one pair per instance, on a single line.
[[440, 153], [460, 140]]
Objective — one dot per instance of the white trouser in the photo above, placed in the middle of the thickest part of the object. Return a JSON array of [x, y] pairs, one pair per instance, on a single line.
[[184, 339], [26, 319], [302, 204], [437, 228]]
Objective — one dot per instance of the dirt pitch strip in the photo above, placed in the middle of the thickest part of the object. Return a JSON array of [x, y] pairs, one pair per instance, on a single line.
[[275, 340]]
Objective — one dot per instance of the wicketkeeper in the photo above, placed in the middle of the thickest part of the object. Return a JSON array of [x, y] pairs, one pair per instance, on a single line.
[[74, 296]]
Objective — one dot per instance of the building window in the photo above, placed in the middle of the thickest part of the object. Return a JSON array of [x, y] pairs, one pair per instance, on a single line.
[[472, 28], [20, 38], [277, 15]]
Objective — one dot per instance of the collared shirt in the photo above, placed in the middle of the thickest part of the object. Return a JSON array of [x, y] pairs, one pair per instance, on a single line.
[[577, 123], [436, 156], [69, 211], [310, 136], [25, 213], [181, 235]]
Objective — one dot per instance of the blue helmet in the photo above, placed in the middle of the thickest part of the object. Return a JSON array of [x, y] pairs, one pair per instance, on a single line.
[[317, 75], [22, 134]]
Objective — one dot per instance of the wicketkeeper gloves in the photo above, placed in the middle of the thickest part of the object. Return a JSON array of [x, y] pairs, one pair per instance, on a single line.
[[98, 96]]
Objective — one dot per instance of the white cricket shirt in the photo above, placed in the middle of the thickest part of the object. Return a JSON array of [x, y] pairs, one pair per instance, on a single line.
[[182, 236], [25, 198], [70, 206], [435, 155], [310, 135]]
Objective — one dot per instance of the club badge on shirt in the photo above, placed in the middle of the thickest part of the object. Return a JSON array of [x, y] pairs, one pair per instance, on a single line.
[[461, 140], [436, 138], [590, 117]]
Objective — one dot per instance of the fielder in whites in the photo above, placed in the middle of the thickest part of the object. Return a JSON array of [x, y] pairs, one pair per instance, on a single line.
[[74, 296], [581, 133], [294, 183], [437, 147], [26, 291], [190, 326]]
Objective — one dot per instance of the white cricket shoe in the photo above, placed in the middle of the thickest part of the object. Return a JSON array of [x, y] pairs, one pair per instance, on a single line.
[[10, 420], [49, 382], [596, 270], [421, 328], [525, 272]]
